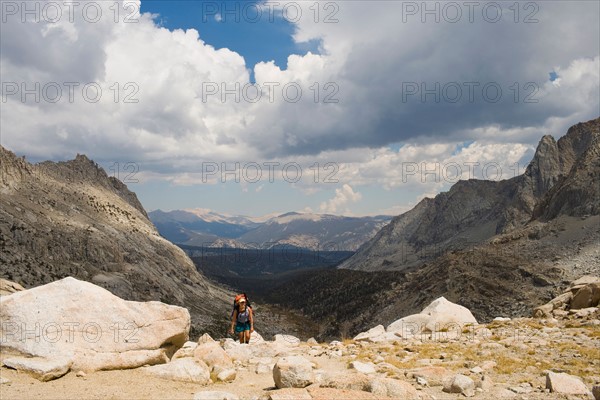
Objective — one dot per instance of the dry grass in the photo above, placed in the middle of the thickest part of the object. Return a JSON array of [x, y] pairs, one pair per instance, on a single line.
[[593, 332]]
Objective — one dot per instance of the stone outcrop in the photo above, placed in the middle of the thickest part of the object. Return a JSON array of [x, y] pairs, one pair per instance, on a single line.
[[583, 293]]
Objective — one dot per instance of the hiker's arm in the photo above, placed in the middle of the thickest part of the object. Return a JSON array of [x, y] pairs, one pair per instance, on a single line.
[[251, 320], [233, 320]]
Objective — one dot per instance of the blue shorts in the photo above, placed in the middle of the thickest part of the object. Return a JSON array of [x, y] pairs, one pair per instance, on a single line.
[[242, 326]]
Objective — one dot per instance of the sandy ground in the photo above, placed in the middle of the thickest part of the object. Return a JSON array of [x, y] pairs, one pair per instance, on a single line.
[[135, 384], [120, 384]]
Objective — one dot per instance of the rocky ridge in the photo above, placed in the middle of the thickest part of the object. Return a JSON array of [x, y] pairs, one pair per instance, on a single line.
[[555, 183], [72, 219]]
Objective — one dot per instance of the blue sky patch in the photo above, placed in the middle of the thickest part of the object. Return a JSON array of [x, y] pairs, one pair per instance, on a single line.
[[237, 25]]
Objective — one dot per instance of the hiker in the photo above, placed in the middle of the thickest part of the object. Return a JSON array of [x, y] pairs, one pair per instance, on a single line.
[[243, 320]]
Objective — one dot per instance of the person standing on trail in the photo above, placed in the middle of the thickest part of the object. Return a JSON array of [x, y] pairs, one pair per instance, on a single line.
[[242, 320]]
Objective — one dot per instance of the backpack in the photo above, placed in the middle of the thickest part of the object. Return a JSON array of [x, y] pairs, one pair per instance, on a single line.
[[235, 303]]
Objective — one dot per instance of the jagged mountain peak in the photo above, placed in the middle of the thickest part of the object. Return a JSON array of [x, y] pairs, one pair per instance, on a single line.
[[81, 170], [473, 211]]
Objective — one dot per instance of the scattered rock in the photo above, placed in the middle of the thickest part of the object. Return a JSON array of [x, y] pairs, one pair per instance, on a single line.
[[239, 352], [520, 389], [214, 356], [364, 368], [584, 312], [422, 381], [312, 341], [585, 280], [182, 369], [543, 311], [349, 381], [582, 293], [488, 365], [587, 296], [187, 350], [485, 384], [205, 338], [460, 384], [476, 370], [565, 383], [227, 375], [293, 372], [434, 375], [4, 381], [262, 368], [43, 369], [596, 392], [393, 388], [80, 374], [8, 287]]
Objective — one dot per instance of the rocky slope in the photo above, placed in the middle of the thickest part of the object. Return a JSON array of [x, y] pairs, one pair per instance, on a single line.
[[561, 179], [71, 219], [443, 353]]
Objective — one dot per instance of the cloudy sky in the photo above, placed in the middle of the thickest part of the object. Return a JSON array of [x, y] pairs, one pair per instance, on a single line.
[[344, 107]]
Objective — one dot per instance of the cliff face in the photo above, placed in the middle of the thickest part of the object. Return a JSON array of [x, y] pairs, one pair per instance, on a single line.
[[561, 179], [72, 219]]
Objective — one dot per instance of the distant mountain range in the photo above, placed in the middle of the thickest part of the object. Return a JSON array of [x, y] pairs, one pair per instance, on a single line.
[[201, 227]]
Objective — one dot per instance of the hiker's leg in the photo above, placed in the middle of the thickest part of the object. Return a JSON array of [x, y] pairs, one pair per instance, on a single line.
[[241, 336], [247, 336]]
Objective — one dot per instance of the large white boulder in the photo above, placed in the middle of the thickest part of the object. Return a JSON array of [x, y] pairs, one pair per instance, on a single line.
[[440, 315], [86, 324], [293, 372]]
